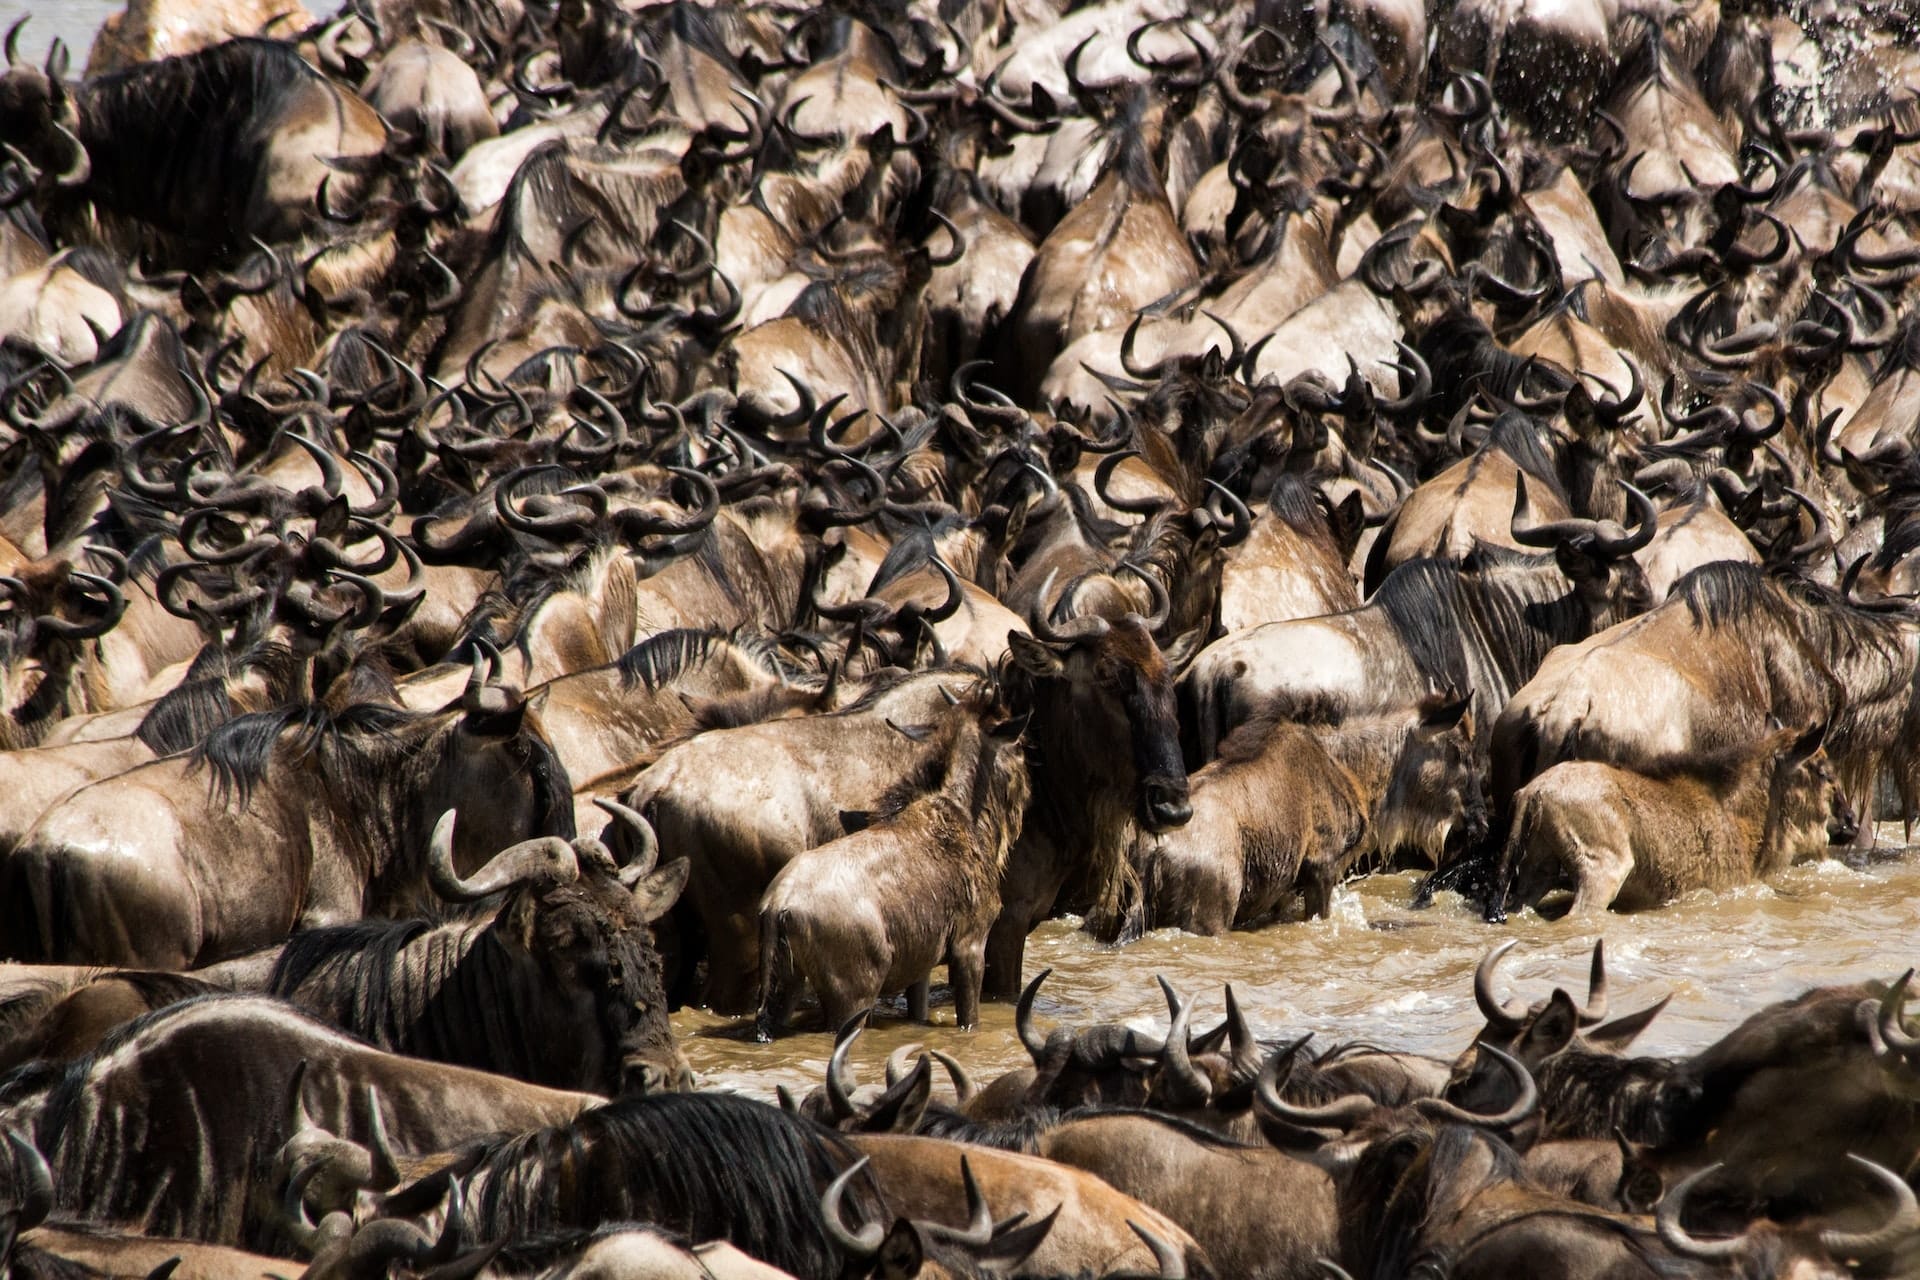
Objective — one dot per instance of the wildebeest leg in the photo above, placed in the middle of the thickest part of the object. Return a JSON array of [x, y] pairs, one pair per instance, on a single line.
[[917, 997], [1028, 888], [733, 964], [780, 987], [965, 965]]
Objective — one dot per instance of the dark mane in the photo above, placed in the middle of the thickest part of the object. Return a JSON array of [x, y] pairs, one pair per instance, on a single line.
[[1518, 437], [238, 754], [194, 708], [1295, 502], [1421, 598], [1724, 591], [367, 948], [705, 1166], [659, 658]]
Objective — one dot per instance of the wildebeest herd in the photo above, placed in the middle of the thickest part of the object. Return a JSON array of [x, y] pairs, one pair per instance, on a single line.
[[519, 516]]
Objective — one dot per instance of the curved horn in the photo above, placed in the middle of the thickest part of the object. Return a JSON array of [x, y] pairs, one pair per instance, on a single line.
[[1892, 1032], [33, 1180], [1242, 517], [1904, 1221], [542, 858], [1342, 1113], [1126, 352], [1157, 591], [840, 1084], [1170, 1260], [1506, 1017], [1595, 1010], [1672, 1207], [1187, 1087], [863, 1243], [1526, 1098], [1036, 1044], [1086, 628], [647, 851]]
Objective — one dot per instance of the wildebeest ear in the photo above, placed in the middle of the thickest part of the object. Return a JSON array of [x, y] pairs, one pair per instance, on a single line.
[[1010, 729], [660, 889], [1441, 711], [1014, 1241], [332, 520], [1347, 521], [852, 820], [1622, 1031], [1552, 1031], [1181, 653], [1034, 657], [1806, 744], [911, 732], [902, 1252], [900, 1108]]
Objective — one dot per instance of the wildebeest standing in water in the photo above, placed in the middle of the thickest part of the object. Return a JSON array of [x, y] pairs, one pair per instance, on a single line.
[[873, 912], [1636, 838]]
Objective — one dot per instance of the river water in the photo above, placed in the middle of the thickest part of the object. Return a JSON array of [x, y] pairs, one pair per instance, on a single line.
[[1377, 970]]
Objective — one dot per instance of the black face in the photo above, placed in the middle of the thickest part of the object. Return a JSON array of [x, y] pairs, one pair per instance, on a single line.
[[1147, 695], [592, 938], [29, 103]]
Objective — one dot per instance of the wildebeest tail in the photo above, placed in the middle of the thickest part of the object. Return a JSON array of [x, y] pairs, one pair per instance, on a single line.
[[776, 973]]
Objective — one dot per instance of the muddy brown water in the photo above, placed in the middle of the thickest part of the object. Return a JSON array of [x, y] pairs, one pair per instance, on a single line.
[[1379, 971]]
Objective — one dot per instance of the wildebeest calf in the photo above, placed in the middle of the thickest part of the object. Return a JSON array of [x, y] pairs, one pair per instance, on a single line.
[[1639, 839], [874, 911]]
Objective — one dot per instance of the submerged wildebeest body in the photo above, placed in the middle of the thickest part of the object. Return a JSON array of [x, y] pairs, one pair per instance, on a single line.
[[1634, 839], [210, 148], [558, 983], [302, 815]]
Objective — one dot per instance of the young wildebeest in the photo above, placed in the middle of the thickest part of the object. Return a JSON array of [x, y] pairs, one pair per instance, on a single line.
[[874, 911], [1290, 806], [558, 983], [1639, 839]]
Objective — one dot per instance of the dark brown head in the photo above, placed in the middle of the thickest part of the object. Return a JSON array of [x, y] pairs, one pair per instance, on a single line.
[[1118, 687], [583, 925]]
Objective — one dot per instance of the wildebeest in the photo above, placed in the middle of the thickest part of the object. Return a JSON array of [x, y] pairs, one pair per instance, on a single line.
[[558, 984], [300, 815], [1289, 806], [1105, 736], [1484, 625], [1728, 648], [1639, 837], [875, 911], [740, 803]]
